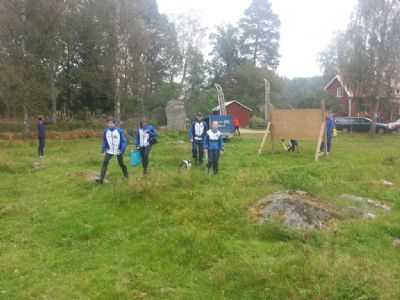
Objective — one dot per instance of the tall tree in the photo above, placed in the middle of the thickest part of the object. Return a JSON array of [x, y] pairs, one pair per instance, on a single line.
[[370, 52], [48, 21], [22, 63], [225, 42], [328, 59], [260, 34], [190, 35]]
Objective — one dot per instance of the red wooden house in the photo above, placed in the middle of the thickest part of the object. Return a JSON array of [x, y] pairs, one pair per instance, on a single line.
[[345, 96], [237, 110]]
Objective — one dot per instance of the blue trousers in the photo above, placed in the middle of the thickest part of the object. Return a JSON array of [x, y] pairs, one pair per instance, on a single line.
[[41, 146], [328, 144], [213, 158]]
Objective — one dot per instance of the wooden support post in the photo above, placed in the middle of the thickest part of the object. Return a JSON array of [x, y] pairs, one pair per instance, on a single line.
[[320, 137], [264, 138], [272, 144], [323, 108]]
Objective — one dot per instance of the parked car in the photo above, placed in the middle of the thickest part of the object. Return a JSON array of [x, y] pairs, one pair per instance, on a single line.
[[346, 124], [395, 125]]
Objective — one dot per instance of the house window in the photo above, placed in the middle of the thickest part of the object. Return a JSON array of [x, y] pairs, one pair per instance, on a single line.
[[339, 92], [397, 91]]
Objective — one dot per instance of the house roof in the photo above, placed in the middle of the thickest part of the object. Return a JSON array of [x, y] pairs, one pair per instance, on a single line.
[[348, 92], [229, 103]]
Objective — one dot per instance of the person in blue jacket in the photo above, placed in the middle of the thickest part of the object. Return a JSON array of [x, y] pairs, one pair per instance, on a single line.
[[145, 138], [197, 132], [41, 128], [213, 147], [114, 143], [330, 125]]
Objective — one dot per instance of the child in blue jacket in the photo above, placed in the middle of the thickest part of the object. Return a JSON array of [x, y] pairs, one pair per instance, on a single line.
[[213, 147], [41, 128], [145, 138], [114, 143]]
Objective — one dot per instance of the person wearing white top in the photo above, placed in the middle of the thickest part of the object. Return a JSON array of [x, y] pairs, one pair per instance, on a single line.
[[145, 138]]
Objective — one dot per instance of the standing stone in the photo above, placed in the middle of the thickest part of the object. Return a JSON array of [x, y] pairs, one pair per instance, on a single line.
[[176, 115]]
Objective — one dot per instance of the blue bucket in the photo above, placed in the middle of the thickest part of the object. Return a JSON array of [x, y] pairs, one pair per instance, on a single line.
[[135, 158]]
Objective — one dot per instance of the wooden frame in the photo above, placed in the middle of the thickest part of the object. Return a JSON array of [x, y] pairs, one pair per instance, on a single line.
[[299, 124]]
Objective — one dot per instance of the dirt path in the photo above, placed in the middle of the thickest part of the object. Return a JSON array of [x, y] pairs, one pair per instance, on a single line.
[[252, 131]]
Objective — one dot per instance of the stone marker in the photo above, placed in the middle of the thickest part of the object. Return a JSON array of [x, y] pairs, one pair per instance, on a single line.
[[176, 115]]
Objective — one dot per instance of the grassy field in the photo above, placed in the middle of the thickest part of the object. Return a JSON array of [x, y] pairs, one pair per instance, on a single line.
[[181, 235]]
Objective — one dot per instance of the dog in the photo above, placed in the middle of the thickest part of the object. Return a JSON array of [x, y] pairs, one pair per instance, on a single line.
[[186, 164]]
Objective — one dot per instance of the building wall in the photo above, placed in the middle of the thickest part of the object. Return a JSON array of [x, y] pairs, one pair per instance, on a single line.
[[344, 101], [355, 112], [239, 112]]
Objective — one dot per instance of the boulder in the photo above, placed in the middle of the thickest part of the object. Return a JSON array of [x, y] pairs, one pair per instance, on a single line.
[[293, 209], [357, 212], [365, 201]]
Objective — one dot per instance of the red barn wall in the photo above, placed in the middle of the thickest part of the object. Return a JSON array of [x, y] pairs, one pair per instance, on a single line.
[[344, 101], [239, 112]]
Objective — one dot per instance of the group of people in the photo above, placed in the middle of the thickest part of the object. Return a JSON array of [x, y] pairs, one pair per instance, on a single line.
[[205, 142], [115, 142], [208, 142]]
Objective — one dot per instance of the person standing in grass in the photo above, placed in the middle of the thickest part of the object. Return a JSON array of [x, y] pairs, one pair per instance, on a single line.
[[197, 132], [214, 147], [41, 128], [237, 125], [114, 143], [145, 138], [329, 133]]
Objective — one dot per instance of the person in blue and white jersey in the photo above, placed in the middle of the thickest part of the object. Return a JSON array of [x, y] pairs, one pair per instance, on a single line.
[[197, 132], [145, 139], [114, 143], [213, 147]]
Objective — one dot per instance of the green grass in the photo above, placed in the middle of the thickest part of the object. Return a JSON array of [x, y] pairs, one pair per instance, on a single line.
[[181, 235]]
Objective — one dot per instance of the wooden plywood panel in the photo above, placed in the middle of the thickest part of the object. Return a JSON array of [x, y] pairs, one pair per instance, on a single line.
[[299, 124]]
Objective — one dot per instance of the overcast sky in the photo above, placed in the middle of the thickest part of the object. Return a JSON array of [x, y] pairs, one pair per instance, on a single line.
[[307, 26]]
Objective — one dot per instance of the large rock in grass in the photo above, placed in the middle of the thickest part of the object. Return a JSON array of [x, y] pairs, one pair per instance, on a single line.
[[176, 115], [300, 210], [293, 209]]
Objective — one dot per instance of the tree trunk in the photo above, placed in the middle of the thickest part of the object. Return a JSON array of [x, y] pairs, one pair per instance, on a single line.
[[53, 92], [255, 50], [117, 69], [377, 96], [27, 131], [117, 103], [255, 54]]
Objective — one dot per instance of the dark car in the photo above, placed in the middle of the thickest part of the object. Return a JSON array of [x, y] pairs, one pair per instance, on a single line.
[[346, 124]]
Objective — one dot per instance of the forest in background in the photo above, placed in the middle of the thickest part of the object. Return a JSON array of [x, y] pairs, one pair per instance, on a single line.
[[82, 59]]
